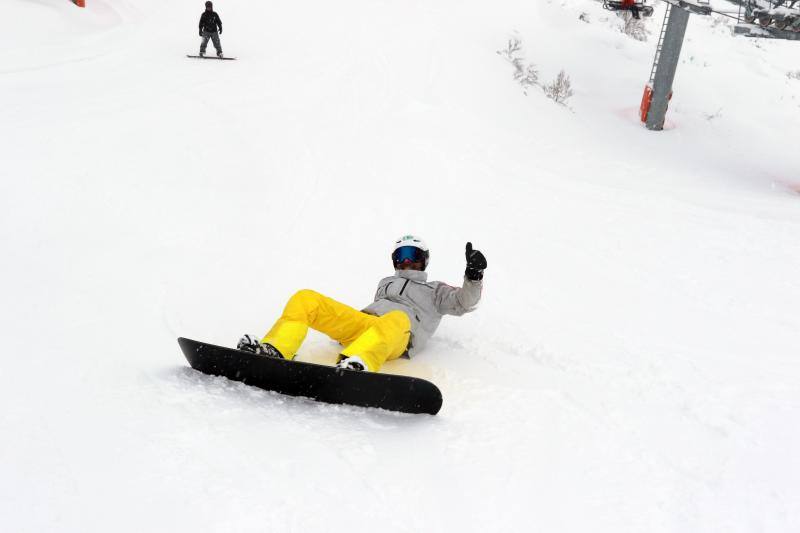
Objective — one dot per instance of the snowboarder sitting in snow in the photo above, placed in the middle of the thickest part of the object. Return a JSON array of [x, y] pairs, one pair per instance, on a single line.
[[406, 311], [210, 23]]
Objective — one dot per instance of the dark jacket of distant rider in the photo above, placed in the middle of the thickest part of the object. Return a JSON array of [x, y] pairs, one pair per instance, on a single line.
[[210, 22]]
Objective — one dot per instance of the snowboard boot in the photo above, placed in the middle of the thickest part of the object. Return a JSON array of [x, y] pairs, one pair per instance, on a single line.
[[250, 343], [219, 55], [202, 54], [353, 362]]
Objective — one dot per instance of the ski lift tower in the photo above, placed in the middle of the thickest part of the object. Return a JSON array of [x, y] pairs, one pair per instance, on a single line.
[[658, 91]]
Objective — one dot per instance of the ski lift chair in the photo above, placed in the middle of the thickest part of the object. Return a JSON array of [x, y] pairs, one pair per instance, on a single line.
[[780, 13], [618, 5]]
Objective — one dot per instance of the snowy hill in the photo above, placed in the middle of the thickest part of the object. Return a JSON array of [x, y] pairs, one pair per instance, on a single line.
[[632, 367]]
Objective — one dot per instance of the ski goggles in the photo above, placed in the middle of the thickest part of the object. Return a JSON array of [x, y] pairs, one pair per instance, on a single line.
[[410, 254]]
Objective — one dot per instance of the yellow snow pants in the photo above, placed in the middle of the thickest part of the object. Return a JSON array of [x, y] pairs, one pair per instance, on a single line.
[[375, 339]]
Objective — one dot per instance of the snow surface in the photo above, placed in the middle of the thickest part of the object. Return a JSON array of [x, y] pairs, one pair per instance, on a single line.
[[632, 368]]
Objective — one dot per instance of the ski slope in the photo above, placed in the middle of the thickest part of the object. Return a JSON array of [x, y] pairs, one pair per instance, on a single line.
[[633, 366]]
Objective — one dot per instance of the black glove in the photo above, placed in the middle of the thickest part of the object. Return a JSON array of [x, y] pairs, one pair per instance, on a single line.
[[220, 31], [201, 33], [476, 264]]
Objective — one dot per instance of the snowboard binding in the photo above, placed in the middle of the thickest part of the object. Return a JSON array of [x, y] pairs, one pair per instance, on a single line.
[[250, 343]]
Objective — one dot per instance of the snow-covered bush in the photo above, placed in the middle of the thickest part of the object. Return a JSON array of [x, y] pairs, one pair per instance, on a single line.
[[526, 75], [793, 74], [560, 89], [633, 27]]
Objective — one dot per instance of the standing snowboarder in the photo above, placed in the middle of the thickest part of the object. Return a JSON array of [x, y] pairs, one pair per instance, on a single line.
[[406, 311], [210, 28]]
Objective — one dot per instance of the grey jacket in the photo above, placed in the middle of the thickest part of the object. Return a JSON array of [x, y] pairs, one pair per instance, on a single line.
[[424, 302]]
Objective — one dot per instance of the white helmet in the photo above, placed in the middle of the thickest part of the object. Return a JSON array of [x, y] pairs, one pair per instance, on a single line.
[[412, 249]]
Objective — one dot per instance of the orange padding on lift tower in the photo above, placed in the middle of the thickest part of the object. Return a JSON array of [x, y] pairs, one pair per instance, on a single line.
[[647, 99]]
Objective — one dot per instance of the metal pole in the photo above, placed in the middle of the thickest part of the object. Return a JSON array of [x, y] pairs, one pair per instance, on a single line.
[[666, 67]]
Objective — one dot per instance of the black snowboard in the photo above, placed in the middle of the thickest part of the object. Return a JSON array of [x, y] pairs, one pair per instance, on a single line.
[[212, 57], [318, 382]]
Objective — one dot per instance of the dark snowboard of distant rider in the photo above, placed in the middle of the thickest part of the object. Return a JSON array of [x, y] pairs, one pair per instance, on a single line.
[[210, 28]]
